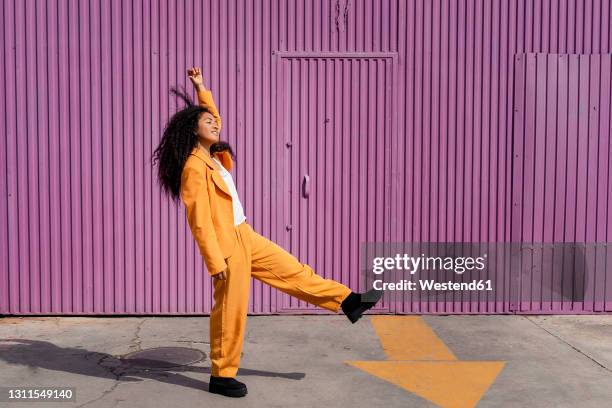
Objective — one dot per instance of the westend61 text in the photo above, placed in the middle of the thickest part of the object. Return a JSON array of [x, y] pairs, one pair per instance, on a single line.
[[430, 284]]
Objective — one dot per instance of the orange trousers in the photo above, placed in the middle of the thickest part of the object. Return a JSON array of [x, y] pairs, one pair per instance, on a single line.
[[266, 261]]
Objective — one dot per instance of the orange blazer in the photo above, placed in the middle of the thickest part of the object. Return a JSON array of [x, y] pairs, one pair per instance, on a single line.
[[208, 201]]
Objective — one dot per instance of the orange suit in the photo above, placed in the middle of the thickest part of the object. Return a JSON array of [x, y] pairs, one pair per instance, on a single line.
[[244, 252]]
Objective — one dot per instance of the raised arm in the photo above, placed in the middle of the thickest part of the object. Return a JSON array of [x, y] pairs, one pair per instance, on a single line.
[[205, 97]]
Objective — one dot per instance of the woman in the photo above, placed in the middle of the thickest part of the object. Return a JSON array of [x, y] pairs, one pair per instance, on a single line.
[[194, 165]]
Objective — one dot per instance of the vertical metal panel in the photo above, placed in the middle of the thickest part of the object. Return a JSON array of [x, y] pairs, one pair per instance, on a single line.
[[561, 181], [483, 38], [337, 136], [84, 226]]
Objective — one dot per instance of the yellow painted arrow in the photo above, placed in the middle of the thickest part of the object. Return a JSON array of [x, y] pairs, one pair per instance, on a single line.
[[418, 361]]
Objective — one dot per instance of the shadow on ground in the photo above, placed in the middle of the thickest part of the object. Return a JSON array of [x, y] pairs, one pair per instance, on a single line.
[[44, 354]]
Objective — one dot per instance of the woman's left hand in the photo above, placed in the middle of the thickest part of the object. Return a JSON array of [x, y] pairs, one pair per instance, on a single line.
[[221, 275]]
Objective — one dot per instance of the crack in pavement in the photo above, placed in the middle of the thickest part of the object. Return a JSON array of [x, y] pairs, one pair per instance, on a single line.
[[136, 340], [116, 367], [569, 344], [104, 394], [99, 363]]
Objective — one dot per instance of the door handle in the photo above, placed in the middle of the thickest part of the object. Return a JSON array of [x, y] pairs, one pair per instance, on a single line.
[[306, 185]]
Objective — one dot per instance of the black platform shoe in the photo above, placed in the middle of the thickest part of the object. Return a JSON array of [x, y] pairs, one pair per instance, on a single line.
[[353, 307], [228, 386]]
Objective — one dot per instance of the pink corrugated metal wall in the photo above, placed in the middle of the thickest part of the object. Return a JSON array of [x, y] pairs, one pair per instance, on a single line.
[[85, 96], [561, 179], [337, 178]]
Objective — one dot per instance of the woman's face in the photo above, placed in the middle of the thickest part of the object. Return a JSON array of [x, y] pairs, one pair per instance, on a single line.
[[208, 130]]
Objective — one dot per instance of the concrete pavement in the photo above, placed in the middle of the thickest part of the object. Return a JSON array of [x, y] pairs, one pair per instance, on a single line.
[[300, 361]]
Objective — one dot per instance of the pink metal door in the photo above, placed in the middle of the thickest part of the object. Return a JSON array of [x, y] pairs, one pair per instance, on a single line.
[[337, 133], [561, 183]]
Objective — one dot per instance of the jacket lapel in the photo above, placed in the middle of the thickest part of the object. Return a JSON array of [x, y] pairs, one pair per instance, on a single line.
[[217, 179]]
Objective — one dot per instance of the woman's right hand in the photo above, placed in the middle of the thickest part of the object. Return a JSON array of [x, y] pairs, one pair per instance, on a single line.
[[195, 75], [221, 275]]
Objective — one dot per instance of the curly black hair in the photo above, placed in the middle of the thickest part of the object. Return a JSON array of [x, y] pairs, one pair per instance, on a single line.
[[178, 141]]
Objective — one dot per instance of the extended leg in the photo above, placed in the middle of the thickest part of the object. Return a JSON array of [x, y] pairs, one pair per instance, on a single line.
[[272, 264]]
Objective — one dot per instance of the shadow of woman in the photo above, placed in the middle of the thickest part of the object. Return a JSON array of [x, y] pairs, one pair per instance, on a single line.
[[43, 354]]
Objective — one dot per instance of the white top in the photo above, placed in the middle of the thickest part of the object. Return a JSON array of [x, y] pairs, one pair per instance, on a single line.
[[239, 216]]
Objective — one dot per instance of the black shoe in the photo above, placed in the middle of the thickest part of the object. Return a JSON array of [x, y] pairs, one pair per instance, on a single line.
[[353, 307], [228, 386]]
